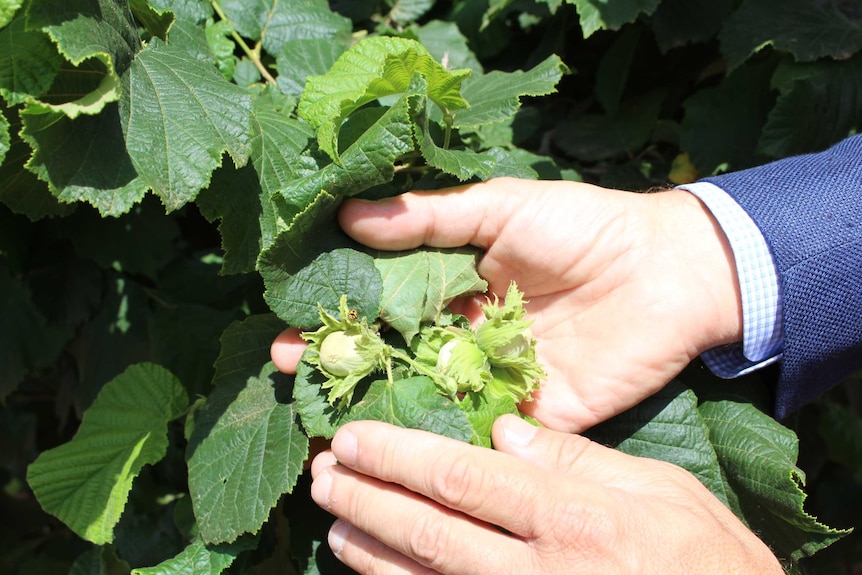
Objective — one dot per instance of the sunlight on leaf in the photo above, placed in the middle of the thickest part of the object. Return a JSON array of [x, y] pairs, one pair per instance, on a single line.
[[86, 481]]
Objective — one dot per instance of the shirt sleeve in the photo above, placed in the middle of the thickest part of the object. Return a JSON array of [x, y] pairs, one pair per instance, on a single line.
[[763, 336]]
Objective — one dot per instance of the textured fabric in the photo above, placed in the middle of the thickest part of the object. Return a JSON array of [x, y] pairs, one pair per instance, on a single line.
[[809, 209], [758, 283]]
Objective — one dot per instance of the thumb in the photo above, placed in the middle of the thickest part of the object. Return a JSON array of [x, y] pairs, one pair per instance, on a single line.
[[471, 214], [286, 350], [557, 451]]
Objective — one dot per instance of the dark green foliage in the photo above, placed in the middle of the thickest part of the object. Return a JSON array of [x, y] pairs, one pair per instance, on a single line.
[[167, 204]]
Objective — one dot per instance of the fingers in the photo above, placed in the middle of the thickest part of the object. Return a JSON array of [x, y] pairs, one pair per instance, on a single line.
[[427, 534], [441, 493], [555, 451], [470, 307], [453, 475], [286, 350], [366, 554], [395, 519], [448, 218]]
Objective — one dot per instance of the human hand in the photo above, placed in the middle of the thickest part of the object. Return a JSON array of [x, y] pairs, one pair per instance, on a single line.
[[541, 502], [625, 289]]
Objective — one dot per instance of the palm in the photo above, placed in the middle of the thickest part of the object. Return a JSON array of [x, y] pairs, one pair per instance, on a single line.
[[616, 307]]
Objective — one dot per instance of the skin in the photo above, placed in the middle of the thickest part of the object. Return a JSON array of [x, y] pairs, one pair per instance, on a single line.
[[413, 502], [624, 290]]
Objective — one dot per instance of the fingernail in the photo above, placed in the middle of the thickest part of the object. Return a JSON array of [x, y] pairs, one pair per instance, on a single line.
[[519, 432], [344, 447], [337, 535], [320, 489]]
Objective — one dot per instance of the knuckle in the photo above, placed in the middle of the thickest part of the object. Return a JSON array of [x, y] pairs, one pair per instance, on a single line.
[[372, 563], [569, 452], [428, 541], [453, 482]]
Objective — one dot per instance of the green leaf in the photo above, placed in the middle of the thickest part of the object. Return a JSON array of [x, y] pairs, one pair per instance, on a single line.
[[419, 284], [482, 410], [818, 105], [146, 533], [295, 296], [373, 68], [84, 159], [368, 161], [741, 454], [201, 559], [179, 115], [412, 403], [405, 11], [99, 561], [495, 97], [194, 11], [192, 38], [545, 167], [245, 347], [667, 427], [156, 21], [513, 164], [306, 57], [319, 418], [593, 137], [722, 124], [99, 39], [448, 45], [185, 340], [279, 147], [310, 263], [8, 8], [86, 482], [463, 164], [498, 7], [610, 15], [29, 62], [277, 22], [807, 29], [487, 37], [221, 46], [235, 198], [245, 452], [246, 74], [758, 460]]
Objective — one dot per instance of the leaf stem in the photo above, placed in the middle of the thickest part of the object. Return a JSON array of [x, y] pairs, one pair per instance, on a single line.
[[447, 131], [398, 354], [253, 54]]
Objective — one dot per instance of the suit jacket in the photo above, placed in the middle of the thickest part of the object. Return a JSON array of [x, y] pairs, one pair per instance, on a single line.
[[809, 209]]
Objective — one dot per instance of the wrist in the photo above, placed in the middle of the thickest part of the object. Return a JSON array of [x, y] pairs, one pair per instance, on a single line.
[[706, 268]]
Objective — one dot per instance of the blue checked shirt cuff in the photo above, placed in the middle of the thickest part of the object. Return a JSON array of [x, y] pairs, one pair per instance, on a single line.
[[763, 335]]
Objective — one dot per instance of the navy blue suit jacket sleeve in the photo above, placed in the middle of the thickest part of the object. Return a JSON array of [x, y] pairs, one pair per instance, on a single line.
[[809, 209]]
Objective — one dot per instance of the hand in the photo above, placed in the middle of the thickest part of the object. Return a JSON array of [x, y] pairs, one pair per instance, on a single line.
[[625, 289], [542, 502]]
